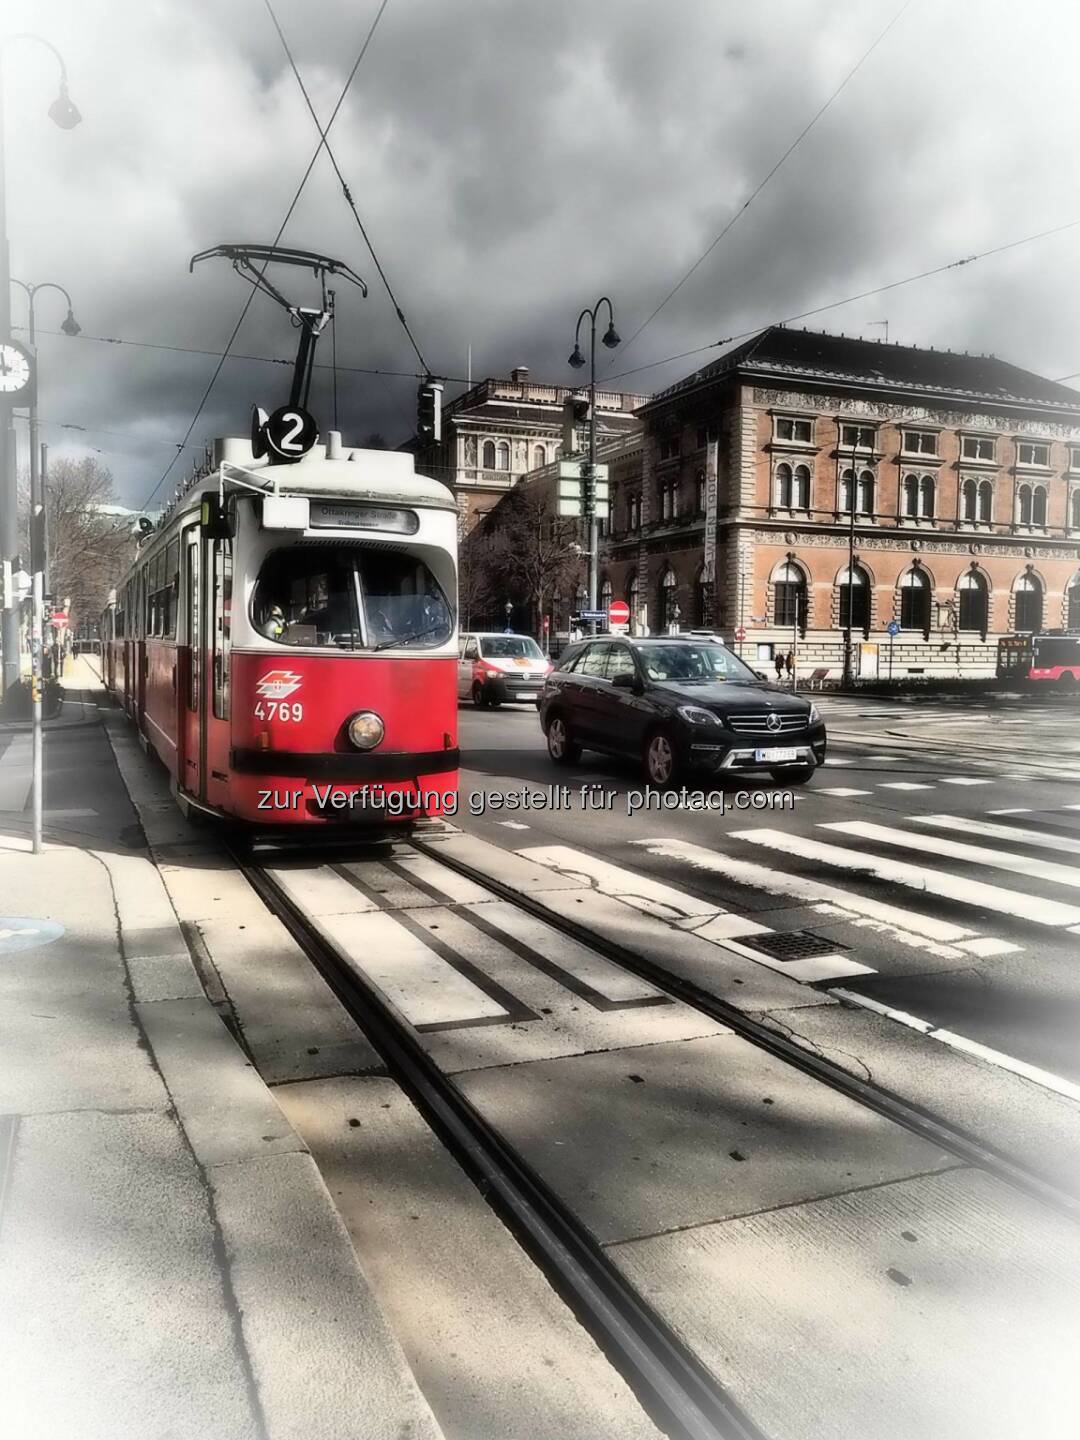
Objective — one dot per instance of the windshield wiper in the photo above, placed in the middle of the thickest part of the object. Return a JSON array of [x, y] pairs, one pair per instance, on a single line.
[[408, 639]]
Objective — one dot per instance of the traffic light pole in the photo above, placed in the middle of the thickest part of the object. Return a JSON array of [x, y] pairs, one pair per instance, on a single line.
[[588, 469]]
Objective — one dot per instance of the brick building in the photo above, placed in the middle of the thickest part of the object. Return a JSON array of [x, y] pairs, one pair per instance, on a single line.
[[735, 509], [500, 430]]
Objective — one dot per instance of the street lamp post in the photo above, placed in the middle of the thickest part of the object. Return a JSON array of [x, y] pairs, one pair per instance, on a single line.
[[63, 113], [577, 360], [849, 647], [39, 554]]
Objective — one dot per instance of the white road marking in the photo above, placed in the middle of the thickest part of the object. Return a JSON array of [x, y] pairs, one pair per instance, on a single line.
[[651, 896], [1016, 810], [963, 780], [458, 888], [419, 982], [984, 945], [909, 926], [903, 785], [512, 824], [808, 972], [321, 892], [917, 877], [1046, 1078], [1050, 870], [835, 760], [842, 791], [1000, 832]]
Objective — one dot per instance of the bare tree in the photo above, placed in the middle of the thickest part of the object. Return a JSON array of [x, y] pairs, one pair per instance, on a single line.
[[90, 545], [532, 552]]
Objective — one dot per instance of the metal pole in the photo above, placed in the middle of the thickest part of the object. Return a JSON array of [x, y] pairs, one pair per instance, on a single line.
[[849, 653], [590, 488], [37, 635], [9, 518], [795, 644]]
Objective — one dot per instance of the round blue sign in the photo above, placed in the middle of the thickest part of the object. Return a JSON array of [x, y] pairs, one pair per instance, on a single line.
[[24, 932], [893, 627]]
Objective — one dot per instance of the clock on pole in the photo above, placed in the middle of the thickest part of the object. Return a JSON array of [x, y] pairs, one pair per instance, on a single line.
[[17, 373]]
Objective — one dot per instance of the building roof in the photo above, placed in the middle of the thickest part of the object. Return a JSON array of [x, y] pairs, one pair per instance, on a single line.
[[844, 360]]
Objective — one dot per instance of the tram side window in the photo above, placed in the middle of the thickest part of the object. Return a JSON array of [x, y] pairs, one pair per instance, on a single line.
[[222, 610], [350, 597], [169, 583]]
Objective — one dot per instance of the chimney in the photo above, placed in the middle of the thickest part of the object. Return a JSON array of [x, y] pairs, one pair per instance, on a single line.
[[520, 374]]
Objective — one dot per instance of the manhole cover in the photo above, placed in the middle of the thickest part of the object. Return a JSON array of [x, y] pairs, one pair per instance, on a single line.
[[797, 945]]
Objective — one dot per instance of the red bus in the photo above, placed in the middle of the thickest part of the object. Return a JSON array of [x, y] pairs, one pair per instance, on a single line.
[[1050, 657]]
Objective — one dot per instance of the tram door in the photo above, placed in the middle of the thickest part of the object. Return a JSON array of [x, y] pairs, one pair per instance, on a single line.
[[192, 678]]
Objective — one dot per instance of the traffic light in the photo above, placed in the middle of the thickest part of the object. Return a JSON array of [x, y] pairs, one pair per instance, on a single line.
[[429, 411], [588, 489], [575, 412]]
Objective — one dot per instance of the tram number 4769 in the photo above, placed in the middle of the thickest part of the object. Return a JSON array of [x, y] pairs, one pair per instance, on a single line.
[[279, 710]]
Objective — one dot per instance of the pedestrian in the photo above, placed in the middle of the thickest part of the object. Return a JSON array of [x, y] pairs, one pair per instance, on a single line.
[[789, 664], [779, 663]]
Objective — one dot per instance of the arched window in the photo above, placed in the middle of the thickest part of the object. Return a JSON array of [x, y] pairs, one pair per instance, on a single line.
[[789, 597], [911, 496], [1072, 619], [489, 455], [854, 599], [986, 502], [926, 497], [846, 481], [865, 500], [1074, 510], [783, 486], [800, 491], [633, 599], [1038, 505], [703, 601], [502, 456], [1029, 603], [701, 498], [606, 594], [974, 602], [915, 601], [539, 458], [969, 497], [669, 601], [1023, 505]]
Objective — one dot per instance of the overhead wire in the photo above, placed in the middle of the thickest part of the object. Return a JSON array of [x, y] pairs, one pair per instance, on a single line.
[[850, 299], [281, 230], [344, 185], [737, 216]]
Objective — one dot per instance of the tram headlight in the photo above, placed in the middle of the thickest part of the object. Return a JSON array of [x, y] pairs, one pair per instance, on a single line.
[[366, 730]]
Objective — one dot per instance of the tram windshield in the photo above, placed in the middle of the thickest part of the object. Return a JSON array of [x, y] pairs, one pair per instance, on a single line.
[[350, 597]]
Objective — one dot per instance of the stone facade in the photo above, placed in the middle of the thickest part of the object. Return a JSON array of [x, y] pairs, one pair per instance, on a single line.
[[966, 480]]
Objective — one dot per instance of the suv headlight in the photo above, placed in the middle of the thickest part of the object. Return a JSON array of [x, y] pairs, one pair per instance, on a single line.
[[366, 730], [814, 717], [697, 716]]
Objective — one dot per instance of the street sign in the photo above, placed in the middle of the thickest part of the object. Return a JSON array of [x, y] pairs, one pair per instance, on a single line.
[[591, 615], [893, 628], [619, 612], [571, 470], [740, 633]]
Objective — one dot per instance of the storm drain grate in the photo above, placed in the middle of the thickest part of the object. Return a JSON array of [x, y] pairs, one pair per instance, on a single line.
[[796, 945]]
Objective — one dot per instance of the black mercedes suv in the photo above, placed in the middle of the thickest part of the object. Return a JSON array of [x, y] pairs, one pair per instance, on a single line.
[[677, 704]]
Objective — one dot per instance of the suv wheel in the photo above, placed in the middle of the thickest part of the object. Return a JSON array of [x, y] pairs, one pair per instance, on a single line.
[[479, 698], [660, 762], [561, 747]]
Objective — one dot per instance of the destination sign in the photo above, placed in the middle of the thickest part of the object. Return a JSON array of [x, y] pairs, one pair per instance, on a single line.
[[328, 516]]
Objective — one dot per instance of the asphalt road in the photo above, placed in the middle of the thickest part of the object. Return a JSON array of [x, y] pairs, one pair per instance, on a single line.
[[934, 858]]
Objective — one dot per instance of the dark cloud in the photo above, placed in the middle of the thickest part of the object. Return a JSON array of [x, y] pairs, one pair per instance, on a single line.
[[512, 163]]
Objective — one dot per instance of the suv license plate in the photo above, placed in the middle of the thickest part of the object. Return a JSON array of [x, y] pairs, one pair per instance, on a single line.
[[775, 757]]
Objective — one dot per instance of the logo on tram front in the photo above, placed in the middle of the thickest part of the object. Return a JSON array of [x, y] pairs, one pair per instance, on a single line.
[[278, 684]]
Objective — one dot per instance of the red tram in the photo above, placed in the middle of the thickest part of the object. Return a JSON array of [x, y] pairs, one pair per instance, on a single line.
[[1052, 657], [286, 640]]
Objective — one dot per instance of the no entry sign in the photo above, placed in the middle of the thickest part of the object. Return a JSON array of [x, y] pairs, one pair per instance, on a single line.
[[618, 613]]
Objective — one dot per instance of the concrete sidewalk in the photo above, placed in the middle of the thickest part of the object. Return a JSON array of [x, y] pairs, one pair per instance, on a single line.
[[171, 1263]]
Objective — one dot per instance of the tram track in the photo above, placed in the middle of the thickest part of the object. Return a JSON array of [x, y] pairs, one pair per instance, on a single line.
[[681, 1395]]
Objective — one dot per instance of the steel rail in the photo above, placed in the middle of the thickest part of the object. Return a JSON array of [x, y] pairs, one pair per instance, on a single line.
[[680, 1394], [906, 1113]]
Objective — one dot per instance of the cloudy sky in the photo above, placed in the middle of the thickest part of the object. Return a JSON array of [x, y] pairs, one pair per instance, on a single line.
[[512, 162]]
